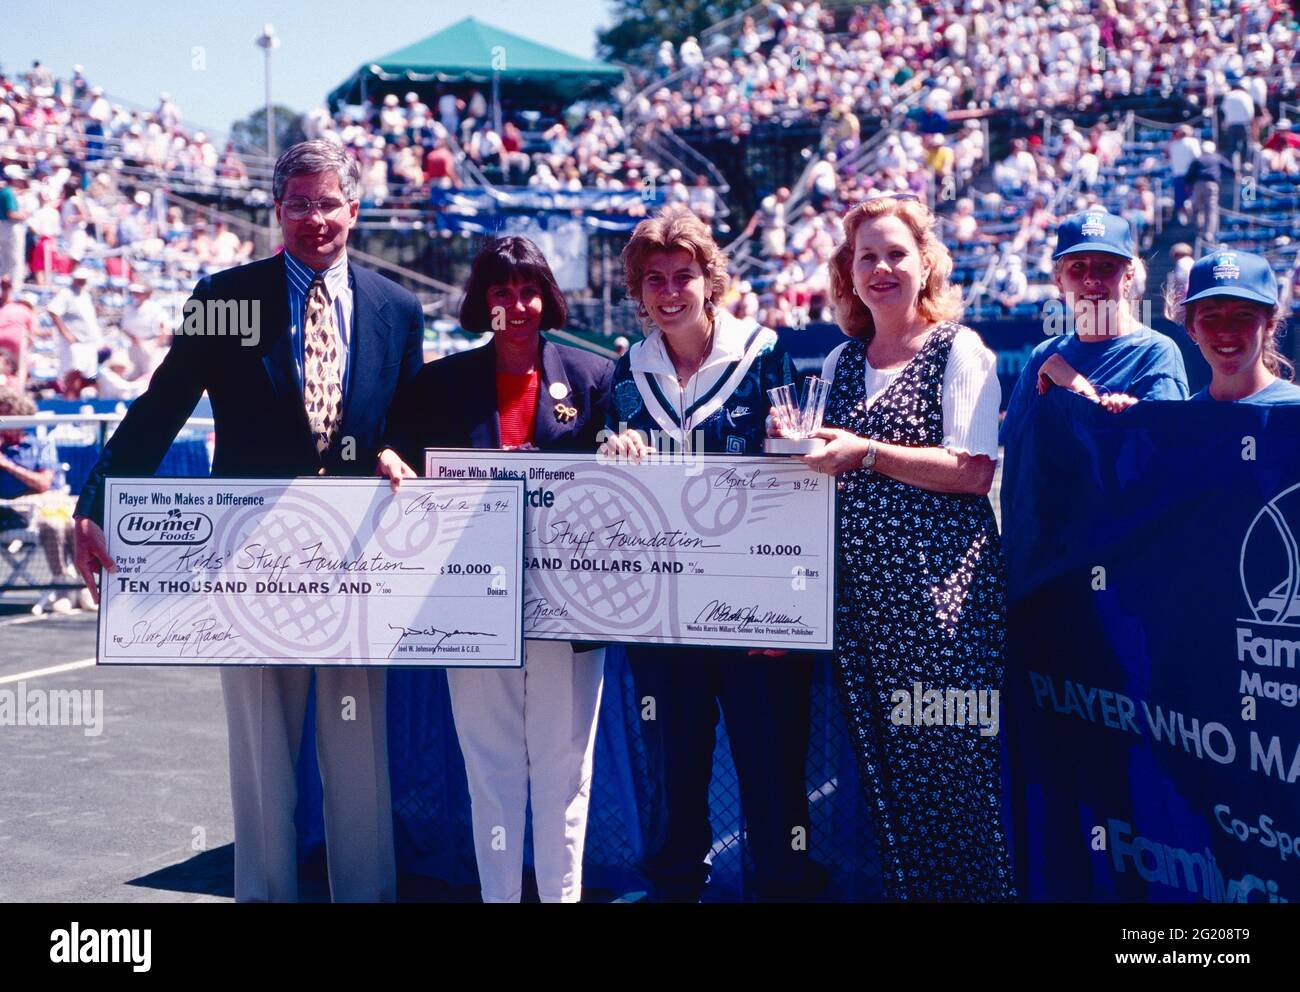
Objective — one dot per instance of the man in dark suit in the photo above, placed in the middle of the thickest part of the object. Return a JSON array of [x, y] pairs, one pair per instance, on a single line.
[[301, 386]]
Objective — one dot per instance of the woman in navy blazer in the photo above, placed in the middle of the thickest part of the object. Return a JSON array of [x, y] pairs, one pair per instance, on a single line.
[[532, 727]]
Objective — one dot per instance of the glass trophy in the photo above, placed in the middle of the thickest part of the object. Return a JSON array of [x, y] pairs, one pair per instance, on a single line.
[[798, 422]]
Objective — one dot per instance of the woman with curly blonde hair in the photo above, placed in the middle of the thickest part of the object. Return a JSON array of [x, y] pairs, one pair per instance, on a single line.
[[921, 597]]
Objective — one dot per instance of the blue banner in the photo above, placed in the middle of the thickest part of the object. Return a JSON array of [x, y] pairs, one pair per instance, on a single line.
[[1150, 717]]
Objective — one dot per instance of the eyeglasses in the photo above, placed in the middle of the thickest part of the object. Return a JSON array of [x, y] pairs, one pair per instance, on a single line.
[[299, 207]]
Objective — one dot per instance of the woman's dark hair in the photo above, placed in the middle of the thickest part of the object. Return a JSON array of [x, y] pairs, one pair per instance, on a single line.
[[503, 261]]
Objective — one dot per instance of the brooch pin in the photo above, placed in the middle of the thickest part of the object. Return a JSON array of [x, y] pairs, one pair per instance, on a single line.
[[565, 413]]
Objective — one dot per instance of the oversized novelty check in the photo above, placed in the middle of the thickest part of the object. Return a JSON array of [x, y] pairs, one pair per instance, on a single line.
[[726, 550], [313, 571]]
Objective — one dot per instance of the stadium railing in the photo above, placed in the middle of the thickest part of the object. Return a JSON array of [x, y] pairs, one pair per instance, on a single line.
[[78, 437]]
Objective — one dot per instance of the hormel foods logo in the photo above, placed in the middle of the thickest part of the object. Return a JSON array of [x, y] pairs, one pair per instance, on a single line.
[[170, 527]]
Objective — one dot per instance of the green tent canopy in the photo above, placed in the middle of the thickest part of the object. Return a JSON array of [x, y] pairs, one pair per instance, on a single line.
[[471, 52]]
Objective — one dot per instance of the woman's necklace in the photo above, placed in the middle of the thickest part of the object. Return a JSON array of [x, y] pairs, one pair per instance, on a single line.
[[682, 380]]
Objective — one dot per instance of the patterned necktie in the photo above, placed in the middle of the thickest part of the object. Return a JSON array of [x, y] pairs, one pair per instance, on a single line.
[[322, 389]]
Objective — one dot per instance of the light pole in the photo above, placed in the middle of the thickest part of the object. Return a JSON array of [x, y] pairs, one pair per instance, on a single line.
[[267, 41]]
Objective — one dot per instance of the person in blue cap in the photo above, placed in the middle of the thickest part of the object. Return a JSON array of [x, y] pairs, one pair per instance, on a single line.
[[1108, 355], [1232, 313], [1107, 350]]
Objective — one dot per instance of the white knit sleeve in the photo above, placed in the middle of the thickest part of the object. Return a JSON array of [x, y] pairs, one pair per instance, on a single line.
[[971, 397], [828, 367]]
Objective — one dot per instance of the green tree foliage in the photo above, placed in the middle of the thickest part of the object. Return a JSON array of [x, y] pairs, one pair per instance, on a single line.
[[249, 134], [640, 25]]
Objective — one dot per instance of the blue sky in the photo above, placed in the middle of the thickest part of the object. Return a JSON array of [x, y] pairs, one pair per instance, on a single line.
[[138, 48]]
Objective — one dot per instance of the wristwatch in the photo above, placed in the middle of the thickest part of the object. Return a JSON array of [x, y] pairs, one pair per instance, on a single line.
[[869, 459]]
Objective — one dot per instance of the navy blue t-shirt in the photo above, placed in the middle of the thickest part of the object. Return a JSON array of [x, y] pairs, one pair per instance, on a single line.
[[1145, 364]]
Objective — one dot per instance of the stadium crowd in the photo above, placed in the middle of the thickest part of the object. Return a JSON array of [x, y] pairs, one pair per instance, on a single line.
[[407, 148], [58, 123], [805, 61], [980, 58], [92, 262]]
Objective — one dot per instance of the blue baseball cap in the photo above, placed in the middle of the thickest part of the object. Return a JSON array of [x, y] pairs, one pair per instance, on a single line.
[[1094, 229], [1240, 274]]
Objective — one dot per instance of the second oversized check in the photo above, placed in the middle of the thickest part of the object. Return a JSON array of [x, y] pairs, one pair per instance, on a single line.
[[726, 551]]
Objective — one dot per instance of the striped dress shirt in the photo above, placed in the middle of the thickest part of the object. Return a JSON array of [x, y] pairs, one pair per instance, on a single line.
[[338, 285]]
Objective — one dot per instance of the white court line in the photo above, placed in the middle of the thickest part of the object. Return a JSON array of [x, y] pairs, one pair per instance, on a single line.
[[52, 670], [14, 621], [17, 620]]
